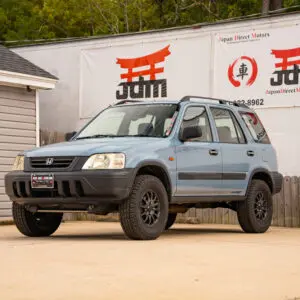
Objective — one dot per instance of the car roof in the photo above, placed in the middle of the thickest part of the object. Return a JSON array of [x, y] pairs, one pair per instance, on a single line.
[[188, 100], [147, 102]]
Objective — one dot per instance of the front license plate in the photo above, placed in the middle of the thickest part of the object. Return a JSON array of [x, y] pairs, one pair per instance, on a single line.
[[42, 181]]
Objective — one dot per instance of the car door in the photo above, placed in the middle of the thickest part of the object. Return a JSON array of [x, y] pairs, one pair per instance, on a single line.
[[199, 161], [237, 154]]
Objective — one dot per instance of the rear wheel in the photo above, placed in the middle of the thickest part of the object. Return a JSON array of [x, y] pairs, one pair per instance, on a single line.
[[171, 220], [144, 214], [255, 213], [35, 224]]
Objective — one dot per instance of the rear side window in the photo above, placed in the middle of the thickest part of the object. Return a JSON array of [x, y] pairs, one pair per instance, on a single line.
[[255, 127], [229, 131]]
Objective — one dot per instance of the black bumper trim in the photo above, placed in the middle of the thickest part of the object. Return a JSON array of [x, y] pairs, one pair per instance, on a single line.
[[277, 182], [80, 187]]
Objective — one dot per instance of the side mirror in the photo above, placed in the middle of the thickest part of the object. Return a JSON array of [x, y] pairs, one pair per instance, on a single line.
[[191, 132], [69, 135]]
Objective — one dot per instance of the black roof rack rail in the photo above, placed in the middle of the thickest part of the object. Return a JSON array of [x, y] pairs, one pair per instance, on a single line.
[[221, 101], [125, 101]]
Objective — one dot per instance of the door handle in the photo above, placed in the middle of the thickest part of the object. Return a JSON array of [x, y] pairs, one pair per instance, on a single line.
[[250, 153], [213, 152]]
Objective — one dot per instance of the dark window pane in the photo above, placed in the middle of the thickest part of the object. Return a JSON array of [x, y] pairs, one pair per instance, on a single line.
[[255, 127], [197, 116], [229, 131]]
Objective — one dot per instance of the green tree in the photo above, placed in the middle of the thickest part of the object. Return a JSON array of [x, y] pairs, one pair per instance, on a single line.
[[50, 19]]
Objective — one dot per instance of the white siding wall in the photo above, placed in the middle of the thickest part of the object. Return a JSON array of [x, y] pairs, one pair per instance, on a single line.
[[17, 133]]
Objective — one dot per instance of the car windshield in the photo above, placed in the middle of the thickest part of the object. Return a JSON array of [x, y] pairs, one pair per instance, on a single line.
[[153, 120]]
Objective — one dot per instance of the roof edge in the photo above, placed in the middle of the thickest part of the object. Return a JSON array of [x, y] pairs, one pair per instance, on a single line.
[[19, 79]]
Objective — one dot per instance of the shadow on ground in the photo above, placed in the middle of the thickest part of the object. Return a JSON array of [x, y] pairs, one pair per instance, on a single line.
[[171, 232], [184, 232]]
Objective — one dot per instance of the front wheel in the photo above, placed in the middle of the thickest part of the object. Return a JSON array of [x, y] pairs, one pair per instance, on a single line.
[[35, 224], [144, 214], [255, 213]]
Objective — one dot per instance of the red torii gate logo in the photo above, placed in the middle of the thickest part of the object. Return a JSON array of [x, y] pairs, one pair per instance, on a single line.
[[144, 86], [288, 76]]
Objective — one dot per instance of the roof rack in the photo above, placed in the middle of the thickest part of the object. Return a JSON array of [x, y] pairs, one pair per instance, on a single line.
[[221, 101], [125, 101]]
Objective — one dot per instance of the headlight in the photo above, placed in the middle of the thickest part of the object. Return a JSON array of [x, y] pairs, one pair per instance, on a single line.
[[19, 163], [105, 161]]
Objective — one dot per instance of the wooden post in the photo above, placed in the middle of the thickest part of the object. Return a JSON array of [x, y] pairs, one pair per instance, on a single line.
[[294, 201], [287, 202]]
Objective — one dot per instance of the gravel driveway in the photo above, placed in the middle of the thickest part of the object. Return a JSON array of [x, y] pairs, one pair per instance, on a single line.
[[94, 260]]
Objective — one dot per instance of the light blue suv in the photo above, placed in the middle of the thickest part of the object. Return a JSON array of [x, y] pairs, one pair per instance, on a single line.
[[150, 161]]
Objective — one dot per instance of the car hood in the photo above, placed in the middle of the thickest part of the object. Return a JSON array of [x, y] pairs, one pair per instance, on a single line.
[[88, 147]]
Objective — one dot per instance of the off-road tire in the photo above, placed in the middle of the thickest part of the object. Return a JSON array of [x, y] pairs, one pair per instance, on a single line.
[[35, 224], [171, 220], [247, 210], [131, 219]]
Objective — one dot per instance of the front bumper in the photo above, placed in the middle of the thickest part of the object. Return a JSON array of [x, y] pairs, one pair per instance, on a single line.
[[80, 187]]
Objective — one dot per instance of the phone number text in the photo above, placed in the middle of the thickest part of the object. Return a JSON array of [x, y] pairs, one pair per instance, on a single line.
[[251, 102]]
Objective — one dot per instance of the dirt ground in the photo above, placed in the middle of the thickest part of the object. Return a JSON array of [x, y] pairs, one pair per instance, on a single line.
[[94, 260]]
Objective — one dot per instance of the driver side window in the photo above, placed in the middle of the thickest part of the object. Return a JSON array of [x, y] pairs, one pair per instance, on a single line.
[[196, 116]]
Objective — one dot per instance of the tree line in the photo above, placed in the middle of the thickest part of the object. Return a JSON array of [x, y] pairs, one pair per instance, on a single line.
[[29, 20]]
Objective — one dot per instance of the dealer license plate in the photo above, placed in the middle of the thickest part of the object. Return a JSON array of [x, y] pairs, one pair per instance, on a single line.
[[42, 181]]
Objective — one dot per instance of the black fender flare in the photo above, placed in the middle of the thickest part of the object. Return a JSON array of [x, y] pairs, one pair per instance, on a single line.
[[260, 170], [152, 163]]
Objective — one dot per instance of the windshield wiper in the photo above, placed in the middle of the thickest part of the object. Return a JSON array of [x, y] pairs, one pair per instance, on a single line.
[[144, 135], [95, 136]]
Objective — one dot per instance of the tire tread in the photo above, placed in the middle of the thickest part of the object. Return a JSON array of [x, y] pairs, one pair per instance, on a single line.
[[128, 216], [24, 222], [244, 208], [171, 220]]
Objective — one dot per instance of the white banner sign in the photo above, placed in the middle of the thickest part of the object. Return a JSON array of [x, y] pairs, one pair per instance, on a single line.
[[258, 68], [145, 71]]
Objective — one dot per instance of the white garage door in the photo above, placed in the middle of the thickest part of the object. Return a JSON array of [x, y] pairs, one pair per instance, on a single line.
[[17, 133]]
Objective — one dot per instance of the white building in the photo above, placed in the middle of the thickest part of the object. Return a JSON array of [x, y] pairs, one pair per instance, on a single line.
[[20, 83]]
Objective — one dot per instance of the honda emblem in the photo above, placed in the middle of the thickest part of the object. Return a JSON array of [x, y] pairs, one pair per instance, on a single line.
[[49, 161]]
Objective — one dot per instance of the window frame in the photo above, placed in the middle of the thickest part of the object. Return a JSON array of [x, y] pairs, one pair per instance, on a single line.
[[208, 118], [236, 122]]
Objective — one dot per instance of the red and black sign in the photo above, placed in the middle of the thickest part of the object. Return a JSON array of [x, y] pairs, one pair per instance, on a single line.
[[243, 72], [135, 85], [284, 75]]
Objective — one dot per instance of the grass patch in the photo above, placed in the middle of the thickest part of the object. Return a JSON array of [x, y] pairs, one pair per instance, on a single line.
[[108, 218], [187, 220], [89, 217], [6, 222]]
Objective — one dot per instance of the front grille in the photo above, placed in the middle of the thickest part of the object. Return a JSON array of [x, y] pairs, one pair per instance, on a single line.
[[62, 189], [51, 162]]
